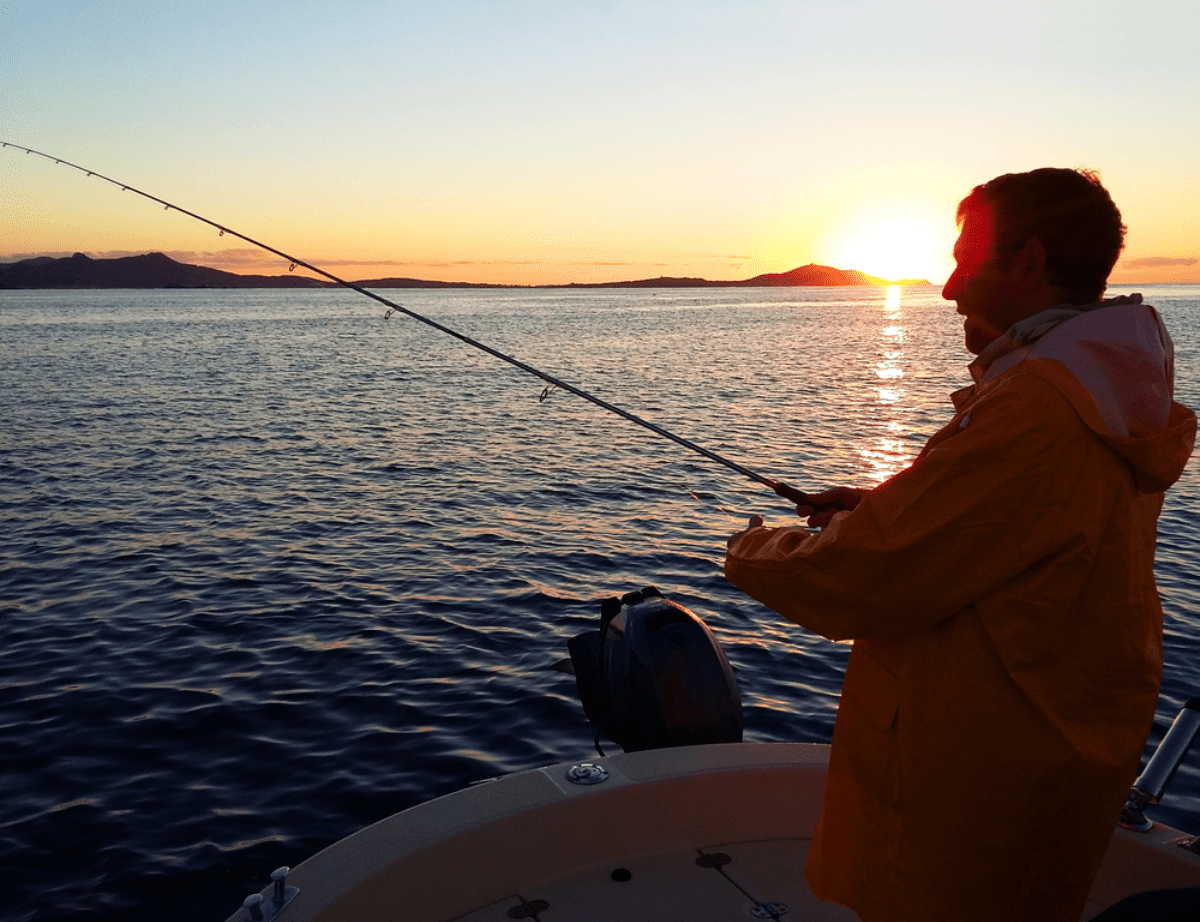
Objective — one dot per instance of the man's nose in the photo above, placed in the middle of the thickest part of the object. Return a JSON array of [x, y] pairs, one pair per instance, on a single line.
[[950, 289]]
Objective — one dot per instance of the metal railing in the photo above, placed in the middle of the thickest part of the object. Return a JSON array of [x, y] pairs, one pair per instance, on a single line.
[[1152, 783]]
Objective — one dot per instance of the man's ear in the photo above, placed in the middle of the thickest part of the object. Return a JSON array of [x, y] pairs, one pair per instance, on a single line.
[[1029, 264]]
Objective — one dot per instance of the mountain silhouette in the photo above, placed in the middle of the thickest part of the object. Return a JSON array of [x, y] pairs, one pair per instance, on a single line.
[[157, 270]]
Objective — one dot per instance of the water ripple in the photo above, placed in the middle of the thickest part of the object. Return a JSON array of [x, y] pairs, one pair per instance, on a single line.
[[273, 569]]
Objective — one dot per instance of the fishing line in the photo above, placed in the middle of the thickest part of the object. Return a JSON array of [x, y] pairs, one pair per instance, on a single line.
[[552, 382]]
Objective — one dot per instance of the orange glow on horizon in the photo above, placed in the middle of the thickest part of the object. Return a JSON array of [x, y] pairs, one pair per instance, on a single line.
[[55, 215]]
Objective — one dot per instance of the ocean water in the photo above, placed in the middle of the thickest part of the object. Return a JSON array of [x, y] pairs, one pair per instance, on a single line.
[[274, 567]]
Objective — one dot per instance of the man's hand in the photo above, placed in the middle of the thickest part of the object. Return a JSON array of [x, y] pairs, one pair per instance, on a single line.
[[832, 501], [756, 521]]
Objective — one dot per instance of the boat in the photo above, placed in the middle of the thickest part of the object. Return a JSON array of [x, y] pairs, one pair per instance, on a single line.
[[715, 829]]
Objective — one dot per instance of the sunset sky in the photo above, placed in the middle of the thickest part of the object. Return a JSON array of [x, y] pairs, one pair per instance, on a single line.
[[538, 143]]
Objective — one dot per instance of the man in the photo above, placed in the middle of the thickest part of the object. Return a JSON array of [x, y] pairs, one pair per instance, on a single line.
[[1000, 591]]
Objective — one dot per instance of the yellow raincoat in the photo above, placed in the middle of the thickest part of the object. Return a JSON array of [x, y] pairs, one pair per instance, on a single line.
[[1008, 633]]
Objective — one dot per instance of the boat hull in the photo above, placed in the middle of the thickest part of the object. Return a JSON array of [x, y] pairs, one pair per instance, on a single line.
[[697, 832]]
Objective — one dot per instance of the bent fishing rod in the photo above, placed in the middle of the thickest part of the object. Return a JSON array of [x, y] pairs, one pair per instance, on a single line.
[[782, 489]]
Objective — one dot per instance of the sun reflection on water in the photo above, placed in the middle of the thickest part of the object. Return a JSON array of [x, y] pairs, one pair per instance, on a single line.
[[887, 454], [892, 304]]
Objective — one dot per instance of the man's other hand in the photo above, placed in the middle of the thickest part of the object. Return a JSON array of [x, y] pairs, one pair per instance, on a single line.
[[830, 502]]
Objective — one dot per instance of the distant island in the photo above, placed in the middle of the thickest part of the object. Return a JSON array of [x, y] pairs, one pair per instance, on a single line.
[[157, 270]]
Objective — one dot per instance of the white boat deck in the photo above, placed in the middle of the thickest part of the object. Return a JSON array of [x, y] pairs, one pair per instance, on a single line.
[[695, 833], [744, 880]]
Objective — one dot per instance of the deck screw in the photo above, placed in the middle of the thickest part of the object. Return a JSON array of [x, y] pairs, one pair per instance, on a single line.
[[586, 773], [768, 910], [528, 909]]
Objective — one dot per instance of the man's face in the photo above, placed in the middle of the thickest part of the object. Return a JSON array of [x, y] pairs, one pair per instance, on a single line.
[[980, 286]]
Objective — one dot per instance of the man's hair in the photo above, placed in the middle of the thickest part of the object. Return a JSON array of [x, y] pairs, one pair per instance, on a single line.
[[1072, 215]]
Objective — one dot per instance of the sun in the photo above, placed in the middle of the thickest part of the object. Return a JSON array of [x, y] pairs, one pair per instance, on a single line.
[[894, 247]]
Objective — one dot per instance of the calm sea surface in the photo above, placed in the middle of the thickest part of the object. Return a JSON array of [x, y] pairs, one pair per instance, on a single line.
[[273, 567]]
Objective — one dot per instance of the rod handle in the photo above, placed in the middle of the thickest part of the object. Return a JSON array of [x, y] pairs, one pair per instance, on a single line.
[[799, 497]]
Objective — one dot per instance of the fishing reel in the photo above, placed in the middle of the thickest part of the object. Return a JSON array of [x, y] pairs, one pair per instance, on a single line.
[[654, 675]]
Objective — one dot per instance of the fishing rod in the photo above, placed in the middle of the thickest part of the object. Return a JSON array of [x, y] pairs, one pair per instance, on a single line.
[[782, 489]]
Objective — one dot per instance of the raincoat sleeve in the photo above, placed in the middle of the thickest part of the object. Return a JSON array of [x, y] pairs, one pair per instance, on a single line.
[[1007, 486]]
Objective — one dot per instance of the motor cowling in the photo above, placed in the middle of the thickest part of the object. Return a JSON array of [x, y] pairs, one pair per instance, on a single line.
[[654, 676]]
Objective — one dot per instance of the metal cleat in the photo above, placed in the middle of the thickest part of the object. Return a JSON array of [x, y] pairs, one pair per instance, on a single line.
[[263, 909]]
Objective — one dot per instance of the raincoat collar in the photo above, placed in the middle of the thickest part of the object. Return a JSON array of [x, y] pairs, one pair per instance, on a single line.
[[1031, 329], [1117, 370]]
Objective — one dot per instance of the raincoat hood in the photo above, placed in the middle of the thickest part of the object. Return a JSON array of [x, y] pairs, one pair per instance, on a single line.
[[1115, 362]]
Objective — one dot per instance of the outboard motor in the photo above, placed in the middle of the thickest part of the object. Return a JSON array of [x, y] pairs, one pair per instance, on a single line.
[[655, 676]]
